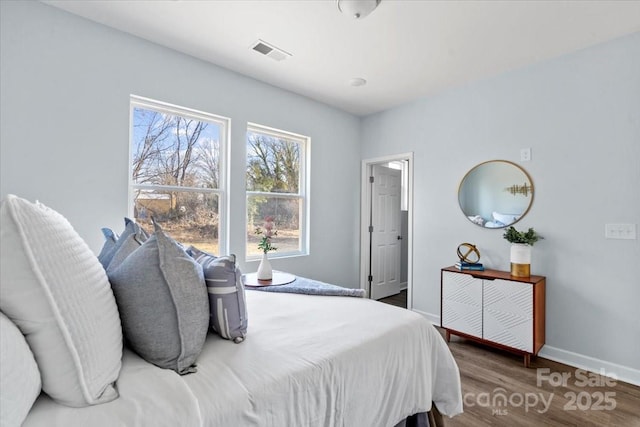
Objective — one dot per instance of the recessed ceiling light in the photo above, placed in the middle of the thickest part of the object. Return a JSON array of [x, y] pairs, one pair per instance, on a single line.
[[357, 81]]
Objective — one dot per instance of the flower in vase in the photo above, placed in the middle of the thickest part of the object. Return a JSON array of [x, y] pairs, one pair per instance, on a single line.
[[268, 231]]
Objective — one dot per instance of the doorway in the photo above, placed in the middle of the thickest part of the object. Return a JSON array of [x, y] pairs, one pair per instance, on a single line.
[[386, 255]]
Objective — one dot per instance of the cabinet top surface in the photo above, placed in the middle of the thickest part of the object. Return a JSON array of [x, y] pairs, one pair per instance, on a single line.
[[495, 274]]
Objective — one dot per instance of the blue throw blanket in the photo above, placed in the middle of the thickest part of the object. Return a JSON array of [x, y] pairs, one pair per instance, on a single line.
[[306, 286]]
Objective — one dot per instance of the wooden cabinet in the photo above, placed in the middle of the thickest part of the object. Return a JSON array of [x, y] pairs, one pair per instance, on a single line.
[[494, 308]]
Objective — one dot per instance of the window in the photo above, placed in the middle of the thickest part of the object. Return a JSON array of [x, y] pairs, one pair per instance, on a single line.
[[177, 172], [277, 187]]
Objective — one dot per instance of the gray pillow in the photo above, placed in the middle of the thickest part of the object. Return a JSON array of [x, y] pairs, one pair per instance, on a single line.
[[226, 294], [110, 239], [112, 242], [126, 246], [162, 299]]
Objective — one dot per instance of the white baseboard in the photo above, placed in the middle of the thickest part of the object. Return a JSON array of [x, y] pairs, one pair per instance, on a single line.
[[619, 372], [622, 373]]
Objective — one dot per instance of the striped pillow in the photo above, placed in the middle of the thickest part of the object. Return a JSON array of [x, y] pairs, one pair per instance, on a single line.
[[226, 294]]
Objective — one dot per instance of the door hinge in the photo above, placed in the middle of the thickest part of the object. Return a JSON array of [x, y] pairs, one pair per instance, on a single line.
[[370, 278], [371, 229], [370, 179]]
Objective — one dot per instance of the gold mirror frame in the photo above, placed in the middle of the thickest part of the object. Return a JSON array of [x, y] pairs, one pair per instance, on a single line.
[[495, 194]]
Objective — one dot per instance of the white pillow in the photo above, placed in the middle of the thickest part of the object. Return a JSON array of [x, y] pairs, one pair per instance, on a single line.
[[505, 218], [19, 375], [57, 293]]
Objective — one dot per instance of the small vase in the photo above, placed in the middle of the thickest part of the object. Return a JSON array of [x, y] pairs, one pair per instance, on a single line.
[[520, 260], [264, 269]]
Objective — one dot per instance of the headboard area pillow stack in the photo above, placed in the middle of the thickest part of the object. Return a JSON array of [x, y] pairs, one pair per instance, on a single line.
[[57, 293], [161, 290], [66, 313]]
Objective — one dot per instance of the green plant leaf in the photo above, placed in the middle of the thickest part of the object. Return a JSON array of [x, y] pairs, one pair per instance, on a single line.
[[514, 236]]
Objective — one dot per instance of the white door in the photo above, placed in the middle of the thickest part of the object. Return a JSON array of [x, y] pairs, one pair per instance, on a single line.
[[385, 232]]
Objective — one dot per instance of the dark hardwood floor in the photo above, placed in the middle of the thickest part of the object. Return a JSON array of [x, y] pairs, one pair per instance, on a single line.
[[399, 300], [499, 391]]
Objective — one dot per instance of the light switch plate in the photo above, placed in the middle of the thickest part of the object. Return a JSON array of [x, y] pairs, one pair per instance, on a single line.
[[620, 231]]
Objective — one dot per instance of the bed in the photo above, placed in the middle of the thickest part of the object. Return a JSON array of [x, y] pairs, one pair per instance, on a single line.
[[199, 349], [308, 360]]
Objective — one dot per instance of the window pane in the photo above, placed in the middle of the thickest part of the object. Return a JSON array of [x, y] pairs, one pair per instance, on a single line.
[[286, 214], [174, 150], [273, 164], [190, 218]]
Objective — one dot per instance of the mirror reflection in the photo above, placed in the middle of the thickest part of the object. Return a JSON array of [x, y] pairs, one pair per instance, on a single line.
[[495, 194]]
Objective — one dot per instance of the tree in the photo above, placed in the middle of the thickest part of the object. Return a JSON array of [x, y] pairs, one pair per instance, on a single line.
[[209, 163], [169, 150], [176, 151], [273, 164], [154, 128]]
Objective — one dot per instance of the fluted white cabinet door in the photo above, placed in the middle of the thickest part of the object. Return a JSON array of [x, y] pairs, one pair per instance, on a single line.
[[462, 303], [508, 313]]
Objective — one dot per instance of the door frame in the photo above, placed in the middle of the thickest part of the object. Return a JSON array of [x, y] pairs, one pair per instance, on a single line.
[[365, 203]]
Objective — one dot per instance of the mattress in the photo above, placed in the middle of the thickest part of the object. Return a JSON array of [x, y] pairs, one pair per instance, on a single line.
[[307, 361]]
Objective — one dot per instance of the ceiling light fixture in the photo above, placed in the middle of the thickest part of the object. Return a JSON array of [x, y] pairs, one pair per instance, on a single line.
[[357, 81], [357, 9]]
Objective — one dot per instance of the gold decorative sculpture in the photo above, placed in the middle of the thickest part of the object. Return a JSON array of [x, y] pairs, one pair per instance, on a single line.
[[524, 189], [468, 253]]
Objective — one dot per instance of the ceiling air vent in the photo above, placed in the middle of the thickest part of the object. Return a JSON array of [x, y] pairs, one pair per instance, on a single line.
[[270, 50]]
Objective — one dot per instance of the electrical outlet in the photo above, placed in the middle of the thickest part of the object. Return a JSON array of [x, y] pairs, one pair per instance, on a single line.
[[525, 155], [620, 231]]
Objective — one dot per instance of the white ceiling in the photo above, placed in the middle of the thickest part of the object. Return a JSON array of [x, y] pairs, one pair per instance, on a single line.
[[406, 49]]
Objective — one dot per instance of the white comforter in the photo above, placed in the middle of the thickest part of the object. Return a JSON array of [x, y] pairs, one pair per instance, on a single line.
[[307, 361]]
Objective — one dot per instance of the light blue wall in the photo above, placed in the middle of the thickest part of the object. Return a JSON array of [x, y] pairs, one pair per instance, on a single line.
[[65, 85], [580, 114]]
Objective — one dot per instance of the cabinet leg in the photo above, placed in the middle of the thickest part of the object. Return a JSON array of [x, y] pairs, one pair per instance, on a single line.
[[448, 336], [527, 360]]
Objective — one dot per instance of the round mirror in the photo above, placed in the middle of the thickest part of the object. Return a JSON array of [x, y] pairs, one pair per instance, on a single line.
[[495, 194]]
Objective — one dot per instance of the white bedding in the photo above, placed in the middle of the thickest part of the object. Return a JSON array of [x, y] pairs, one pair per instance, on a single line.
[[307, 361]]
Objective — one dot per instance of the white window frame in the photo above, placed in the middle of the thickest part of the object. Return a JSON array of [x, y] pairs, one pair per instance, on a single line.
[[302, 195], [221, 191]]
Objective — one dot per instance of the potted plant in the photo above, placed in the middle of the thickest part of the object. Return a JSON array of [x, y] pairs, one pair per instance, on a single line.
[[521, 243]]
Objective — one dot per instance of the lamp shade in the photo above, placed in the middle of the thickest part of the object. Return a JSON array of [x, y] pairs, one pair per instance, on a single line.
[[357, 8]]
